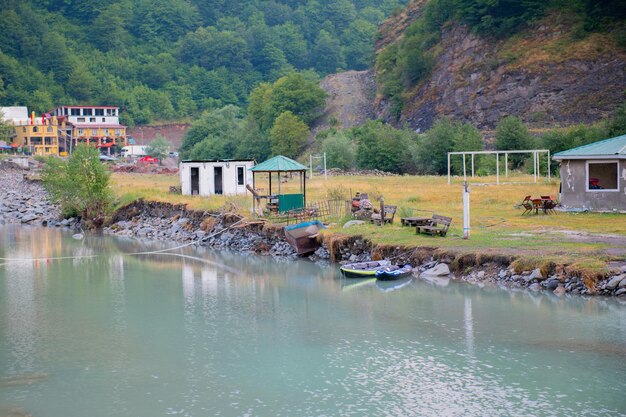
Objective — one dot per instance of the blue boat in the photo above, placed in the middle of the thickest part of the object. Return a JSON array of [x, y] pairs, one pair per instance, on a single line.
[[393, 272]]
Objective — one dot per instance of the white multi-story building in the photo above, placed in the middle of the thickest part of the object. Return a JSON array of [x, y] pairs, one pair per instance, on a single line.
[[95, 125]]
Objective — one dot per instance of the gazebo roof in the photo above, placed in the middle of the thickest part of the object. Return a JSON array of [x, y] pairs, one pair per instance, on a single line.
[[279, 164]]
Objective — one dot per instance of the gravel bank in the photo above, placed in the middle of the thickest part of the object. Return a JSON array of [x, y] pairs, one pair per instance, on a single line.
[[23, 201]]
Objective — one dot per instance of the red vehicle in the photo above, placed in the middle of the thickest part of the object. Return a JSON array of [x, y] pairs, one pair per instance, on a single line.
[[148, 160]]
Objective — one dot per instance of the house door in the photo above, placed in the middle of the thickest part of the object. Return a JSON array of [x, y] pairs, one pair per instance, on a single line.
[[195, 181], [217, 180]]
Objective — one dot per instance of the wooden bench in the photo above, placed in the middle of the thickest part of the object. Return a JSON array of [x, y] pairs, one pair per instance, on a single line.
[[389, 213], [438, 225]]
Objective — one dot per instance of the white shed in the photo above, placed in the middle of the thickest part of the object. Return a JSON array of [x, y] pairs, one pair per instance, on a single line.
[[222, 177]]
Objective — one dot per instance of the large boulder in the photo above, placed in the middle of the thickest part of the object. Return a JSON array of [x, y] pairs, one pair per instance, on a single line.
[[438, 271]]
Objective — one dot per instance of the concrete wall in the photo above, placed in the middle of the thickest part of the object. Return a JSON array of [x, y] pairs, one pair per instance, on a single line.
[[576, 195], [206, 171]]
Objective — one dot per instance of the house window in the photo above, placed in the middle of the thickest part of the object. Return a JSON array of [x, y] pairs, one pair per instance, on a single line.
[[80, 119], [87, 112], [49, 128], [65, 111], [75, 112], [602, 176], [104, 120], [81, 132], [35, 129], [241, 175], [92, 120], [99, 112], [117, 132], [109, 112]]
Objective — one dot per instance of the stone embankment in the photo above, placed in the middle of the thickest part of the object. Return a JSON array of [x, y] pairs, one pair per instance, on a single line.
[[25, 201], [226, 230]]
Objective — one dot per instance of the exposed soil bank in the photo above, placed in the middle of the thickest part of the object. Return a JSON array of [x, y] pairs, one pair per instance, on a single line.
[[163, 221]]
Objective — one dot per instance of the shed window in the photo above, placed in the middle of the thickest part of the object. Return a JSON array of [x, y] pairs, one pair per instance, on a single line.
[[602, 176], [241, 176]]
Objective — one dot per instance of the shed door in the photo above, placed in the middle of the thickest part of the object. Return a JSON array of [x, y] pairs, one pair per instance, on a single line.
[[195, 181], [217, 180]]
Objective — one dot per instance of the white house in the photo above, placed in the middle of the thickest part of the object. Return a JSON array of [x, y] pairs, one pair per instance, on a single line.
[[222, 177]]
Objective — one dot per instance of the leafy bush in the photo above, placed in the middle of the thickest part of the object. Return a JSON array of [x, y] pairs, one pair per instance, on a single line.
[[338, 192], [431, 153], [383, 147], [79, 185], [340, 152], [288, 135], [159, 147]]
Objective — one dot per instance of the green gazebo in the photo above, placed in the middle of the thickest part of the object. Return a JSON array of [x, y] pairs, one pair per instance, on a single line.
[[277, 165]]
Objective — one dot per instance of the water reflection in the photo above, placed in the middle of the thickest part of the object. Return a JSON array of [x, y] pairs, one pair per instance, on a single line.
[[207, 333]]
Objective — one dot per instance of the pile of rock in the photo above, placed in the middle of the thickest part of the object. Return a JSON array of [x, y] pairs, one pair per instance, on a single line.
[[559, 285], [23, 201], [143, 169], [360, 172], [615, 285], [156, 222]]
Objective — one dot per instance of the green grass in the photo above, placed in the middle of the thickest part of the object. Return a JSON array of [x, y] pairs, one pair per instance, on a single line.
[[497, 226]]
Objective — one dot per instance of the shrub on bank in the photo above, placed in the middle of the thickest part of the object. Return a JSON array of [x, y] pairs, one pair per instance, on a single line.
[[79, 185]]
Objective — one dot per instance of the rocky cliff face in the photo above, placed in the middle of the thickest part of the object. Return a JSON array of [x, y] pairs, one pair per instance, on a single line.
[[542, 75]]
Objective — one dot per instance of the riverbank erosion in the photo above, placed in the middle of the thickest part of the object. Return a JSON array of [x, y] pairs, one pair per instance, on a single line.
[[227, 230]]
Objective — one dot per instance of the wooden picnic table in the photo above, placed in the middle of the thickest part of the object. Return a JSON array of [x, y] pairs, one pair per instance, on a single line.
[[414, 221]]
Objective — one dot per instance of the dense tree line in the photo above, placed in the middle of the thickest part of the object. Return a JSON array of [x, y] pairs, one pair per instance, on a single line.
[[167, 59]]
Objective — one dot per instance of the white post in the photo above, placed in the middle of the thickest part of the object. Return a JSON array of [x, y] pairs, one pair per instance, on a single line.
[[448, 168], [538, 162], [466, 210], [548, 165], [472, 165], [325, 175], [535, 166], [311, 166], [464, 170], [506, 165], [497, 168]]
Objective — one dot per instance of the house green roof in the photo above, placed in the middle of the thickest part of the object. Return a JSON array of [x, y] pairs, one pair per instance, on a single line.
[[608, 148], [279, 164]]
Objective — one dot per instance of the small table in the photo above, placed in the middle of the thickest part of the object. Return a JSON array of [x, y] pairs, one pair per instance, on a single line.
[[414, 221], [540, 203]]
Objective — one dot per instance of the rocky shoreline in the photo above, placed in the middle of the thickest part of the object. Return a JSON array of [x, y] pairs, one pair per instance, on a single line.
[[25, 202], [225, 230]]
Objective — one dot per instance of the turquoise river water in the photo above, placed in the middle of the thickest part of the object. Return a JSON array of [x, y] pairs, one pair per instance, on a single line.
[[221, 334]]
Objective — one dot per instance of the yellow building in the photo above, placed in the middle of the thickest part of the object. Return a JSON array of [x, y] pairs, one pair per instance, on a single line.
[[38, 137]]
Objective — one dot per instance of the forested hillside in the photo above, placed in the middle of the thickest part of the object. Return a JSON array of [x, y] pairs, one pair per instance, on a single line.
[[168, 59]]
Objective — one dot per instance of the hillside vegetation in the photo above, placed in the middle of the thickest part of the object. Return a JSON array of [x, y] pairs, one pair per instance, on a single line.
[[166, 59], [477, 60]]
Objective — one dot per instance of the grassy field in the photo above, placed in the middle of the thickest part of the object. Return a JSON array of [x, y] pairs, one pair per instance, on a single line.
[[496, 224]]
